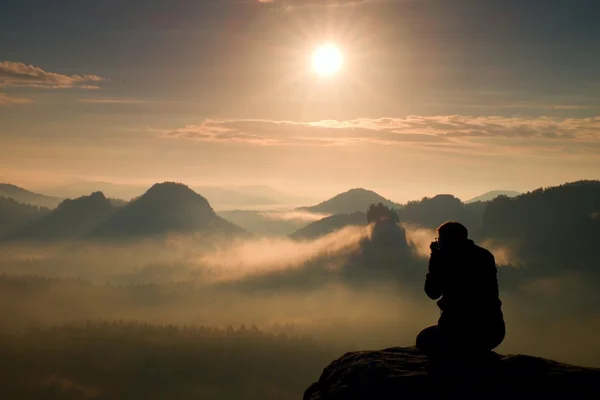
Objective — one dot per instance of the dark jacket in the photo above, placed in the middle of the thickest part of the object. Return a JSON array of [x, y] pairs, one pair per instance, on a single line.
[[465, 277]]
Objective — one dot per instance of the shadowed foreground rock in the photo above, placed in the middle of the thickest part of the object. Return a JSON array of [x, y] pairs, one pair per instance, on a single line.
[[402, 373]]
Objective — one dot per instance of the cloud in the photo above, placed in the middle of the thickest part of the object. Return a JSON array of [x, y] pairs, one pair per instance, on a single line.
[[419, 239], [288, 132], [439, 131], [180, 257], [570, 107], [6, 100], [112, 101], [15, 74], [317, 2], [263, 256], [294, 215]]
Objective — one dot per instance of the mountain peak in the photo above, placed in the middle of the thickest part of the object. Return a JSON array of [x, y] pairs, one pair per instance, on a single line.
[[71, 219], [25, 196], [165, 207], [353, 200], [359, 190], [169, 193], [488, 196], [169, 186], [96, 199], [10, 187]]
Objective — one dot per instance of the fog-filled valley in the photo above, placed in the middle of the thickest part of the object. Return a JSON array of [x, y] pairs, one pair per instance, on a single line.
[[217, 307]]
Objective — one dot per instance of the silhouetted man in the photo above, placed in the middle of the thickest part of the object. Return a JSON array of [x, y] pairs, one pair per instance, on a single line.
[[464, 276]]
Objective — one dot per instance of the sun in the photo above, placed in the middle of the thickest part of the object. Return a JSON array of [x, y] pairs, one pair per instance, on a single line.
[[327, 60]]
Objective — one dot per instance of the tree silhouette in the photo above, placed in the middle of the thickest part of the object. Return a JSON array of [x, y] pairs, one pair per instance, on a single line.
[[379, 212]]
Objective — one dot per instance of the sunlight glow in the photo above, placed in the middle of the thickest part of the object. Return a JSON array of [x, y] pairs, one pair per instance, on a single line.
[[327, 60]]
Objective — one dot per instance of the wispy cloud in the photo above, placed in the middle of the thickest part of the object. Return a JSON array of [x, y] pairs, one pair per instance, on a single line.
[[246, 258], [270, 132], [294, 215], [439, 131], [316, 2], [112, 101], [16, 74], [6, 100], [419, 238], [570, 107]]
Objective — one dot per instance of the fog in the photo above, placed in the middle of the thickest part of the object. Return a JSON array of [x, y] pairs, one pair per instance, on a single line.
[[420, 238], [191, 280], [296, 215]]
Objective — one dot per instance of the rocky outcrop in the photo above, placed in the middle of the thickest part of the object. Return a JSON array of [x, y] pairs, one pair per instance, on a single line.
[[405, 373]]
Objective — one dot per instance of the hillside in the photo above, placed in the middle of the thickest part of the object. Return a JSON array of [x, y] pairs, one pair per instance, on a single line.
[[349, 202], [165, 207], [431, 212], [427, 212], [226, 198], [25, 196], [71, 219], [78, 188], [14, 215], [263, 223], [253, 197], [220, 197], [554, 229], [492, 195], [329, 224]]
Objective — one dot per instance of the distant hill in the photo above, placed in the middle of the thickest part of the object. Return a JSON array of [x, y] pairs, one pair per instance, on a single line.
[[269, 192], [220, 197], [117, 202], [259, 222], [227, 198], [70, 220], [349, 202], [552, 229], [25, 196], [165, 207], [492, 195], [431, 212], [111, 190], [14, 215], [562, 213], [249, 197], [329, 225]]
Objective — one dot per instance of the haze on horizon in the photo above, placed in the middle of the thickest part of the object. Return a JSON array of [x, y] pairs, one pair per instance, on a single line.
[[432, 96]]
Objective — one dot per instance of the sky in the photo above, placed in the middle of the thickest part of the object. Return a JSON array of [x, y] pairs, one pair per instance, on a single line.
[[434, 96]]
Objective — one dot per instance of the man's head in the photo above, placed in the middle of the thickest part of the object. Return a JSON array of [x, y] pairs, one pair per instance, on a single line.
[[452, 233]]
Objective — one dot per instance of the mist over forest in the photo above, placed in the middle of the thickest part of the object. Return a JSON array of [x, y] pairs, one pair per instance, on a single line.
[[166, 268], [237, 199]]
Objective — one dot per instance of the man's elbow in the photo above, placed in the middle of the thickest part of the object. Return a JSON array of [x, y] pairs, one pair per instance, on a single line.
[[432, 292], [433, 287]]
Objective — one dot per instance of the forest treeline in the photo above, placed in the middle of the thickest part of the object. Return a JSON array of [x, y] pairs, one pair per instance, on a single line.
[[136, 360]]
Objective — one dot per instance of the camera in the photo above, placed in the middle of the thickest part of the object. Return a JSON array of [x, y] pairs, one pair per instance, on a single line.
[[434, 246]]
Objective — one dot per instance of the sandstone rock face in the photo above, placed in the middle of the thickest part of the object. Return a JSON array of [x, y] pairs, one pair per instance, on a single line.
[[405, 373]]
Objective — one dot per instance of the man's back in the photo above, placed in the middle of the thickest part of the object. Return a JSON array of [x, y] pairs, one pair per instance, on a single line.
[[466, 278], [464, 275]]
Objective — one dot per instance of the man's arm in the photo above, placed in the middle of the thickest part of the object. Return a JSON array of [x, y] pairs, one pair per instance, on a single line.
[[492, 276], [434, 280]]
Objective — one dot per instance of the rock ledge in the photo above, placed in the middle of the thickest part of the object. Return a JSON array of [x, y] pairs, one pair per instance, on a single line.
[[405, 373]]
